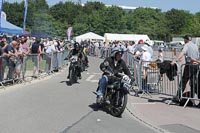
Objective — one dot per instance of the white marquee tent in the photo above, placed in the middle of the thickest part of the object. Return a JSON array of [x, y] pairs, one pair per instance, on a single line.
[[89, 36], [125, 37]]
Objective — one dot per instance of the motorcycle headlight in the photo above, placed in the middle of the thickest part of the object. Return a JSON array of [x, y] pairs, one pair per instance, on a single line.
[[126, 85], [126, 79], [74, 59]]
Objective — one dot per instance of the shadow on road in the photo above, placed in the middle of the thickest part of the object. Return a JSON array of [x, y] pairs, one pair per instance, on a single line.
[[68, 83]]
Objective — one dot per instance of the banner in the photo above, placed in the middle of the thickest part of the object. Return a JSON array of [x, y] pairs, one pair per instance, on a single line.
[[25, 13], [1, 4], [69, 32]]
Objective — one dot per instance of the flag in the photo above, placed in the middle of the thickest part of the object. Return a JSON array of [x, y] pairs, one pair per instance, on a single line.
[[25, 13], [69, 32], [1, 4]]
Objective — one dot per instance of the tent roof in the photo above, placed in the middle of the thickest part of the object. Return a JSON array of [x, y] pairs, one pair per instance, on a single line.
[[7, 27], [125, 37], [89, 35]]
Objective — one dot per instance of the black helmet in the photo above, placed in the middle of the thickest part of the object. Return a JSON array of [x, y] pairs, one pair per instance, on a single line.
[[76, 45]]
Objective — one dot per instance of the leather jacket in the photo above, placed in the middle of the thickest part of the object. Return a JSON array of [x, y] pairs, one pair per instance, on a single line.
[[119, 68]]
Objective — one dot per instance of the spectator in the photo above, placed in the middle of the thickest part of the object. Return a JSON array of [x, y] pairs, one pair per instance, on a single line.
[[145, 58], [35, 51], [149, 44], [15, 38], [18, 63], [138, 49], [11, 55], [4, 45], [25, 51], [131, 46], [1, 60], [160, 55], [49, 54], [190, 50], [29, 41], [4, 39]]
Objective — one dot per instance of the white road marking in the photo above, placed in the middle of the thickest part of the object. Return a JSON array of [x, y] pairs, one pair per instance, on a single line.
[[89, 79], [94, 73], [98, 73], [143, 103]]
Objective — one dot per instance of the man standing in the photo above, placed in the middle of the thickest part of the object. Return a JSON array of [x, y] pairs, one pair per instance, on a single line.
[[10, 52], [190, 50], [25, 51]]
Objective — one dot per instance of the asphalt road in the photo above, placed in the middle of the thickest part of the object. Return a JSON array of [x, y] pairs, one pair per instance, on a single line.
[[50, 105]]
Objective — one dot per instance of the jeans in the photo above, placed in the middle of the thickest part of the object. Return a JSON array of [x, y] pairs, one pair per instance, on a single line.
[[11, 68], [48, 66], [3, 66], [102, 85]]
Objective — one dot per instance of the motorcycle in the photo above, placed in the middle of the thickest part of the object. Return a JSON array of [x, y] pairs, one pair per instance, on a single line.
[[115, 95], [73, 73]]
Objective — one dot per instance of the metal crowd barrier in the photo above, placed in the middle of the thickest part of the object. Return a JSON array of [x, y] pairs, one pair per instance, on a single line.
[[101, 52], [190, 82], [27, 67]]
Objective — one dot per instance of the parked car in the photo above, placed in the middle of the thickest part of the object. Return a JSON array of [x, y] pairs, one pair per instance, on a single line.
[[176, 44]]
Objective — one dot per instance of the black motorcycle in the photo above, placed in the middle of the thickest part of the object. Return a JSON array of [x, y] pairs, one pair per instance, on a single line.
[[73, 73], [115, 95]]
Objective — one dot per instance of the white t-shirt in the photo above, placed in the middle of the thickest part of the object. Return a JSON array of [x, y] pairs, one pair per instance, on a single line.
[[160, 56], [50, 49], [146, 57], [131, 49]]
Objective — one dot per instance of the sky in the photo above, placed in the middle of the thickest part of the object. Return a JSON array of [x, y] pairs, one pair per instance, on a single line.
[[190, 5]]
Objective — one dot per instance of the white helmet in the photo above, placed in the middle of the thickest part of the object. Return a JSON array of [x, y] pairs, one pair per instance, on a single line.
[[148, 42]]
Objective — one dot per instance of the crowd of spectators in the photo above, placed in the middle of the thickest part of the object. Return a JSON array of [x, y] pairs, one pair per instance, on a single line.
[[16, 53]]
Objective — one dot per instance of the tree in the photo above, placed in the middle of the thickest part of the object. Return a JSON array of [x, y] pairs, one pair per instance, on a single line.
[[65, 12], [14, 13], [177, 21], [147, 21], [93, 6], [112, 19]]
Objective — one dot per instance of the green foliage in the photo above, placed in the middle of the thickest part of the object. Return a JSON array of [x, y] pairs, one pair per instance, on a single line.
[[177, 21], [98, 18]]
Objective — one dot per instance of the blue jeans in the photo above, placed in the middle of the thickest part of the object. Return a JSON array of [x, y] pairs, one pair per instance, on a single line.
[[102, 85]]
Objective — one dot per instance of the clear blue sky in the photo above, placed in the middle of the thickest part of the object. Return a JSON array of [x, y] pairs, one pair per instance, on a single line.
[[190, 5]]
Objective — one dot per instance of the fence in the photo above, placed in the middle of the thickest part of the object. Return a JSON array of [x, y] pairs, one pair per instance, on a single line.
[[26, 67], [162, 77]]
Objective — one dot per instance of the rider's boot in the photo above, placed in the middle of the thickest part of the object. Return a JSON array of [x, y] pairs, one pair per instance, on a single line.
[[99, 99]]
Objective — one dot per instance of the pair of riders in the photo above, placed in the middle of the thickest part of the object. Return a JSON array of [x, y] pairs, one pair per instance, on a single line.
[[117, 64]]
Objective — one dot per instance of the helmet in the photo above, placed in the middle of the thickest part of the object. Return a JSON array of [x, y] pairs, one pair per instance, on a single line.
[[76, 45], [114, 51]]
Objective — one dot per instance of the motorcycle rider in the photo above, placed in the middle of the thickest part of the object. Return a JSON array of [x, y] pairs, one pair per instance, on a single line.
[[117, 65], [76, 51]]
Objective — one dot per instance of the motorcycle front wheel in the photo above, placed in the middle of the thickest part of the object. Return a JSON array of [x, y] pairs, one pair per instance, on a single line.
[[119, 103], [73, 77]]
